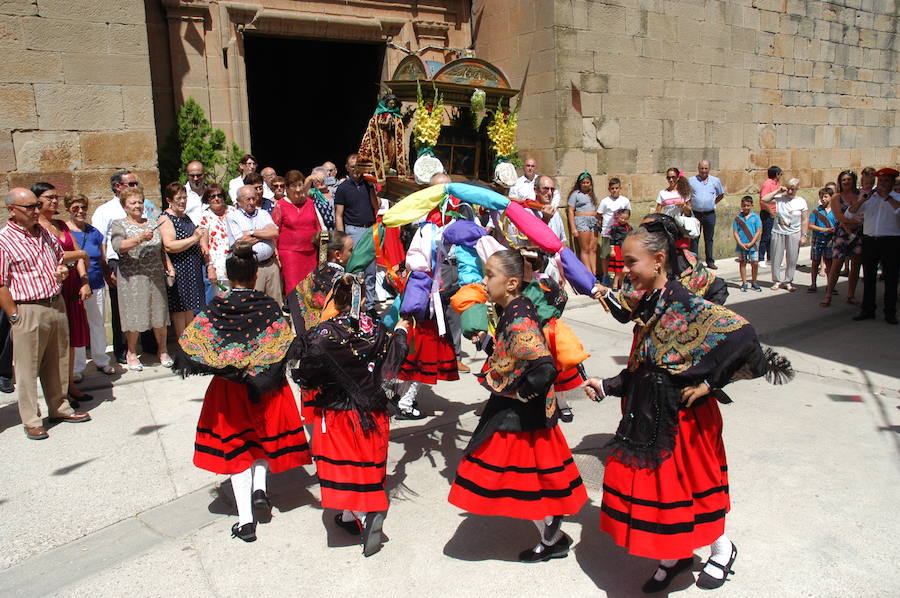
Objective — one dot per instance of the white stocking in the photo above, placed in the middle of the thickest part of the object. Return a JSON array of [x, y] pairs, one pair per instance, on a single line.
[[242, 484], [260, 470], [408, 398], [721, 553]]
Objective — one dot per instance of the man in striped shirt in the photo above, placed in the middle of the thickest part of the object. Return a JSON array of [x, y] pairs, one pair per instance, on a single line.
[[31, 272]]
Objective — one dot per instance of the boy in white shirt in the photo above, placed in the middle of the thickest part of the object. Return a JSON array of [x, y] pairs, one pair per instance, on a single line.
[[609, 205]]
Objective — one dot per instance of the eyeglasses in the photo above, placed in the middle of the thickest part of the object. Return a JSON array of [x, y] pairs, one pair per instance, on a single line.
[[214, 195], [277, 186], [196, 176], [78, 208], [258, 187], [29, 207], [671, 177]]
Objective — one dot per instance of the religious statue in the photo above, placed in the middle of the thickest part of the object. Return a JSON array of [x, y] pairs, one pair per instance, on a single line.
[[383, 147]]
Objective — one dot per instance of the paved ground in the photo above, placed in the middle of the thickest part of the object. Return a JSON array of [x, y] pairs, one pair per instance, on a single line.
[[115, 507]]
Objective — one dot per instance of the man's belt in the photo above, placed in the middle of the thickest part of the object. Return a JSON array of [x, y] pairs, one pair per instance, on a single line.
[[704, 212], [47, 301], [266, 262]]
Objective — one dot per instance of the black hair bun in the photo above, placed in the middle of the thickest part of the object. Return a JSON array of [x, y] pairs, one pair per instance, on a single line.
[[242, 251]]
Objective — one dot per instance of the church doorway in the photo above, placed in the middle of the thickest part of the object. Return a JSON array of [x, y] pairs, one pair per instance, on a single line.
[[309, 100]]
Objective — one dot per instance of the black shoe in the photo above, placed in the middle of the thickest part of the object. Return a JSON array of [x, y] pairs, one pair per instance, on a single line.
[[6, 385], [262, 505], [412, 413], [707, 581], [654, 585], [246, 532], [371, 533], [351, 527], [711, 266], [558, 550], [566, 414], [811, 289], [863, 315], [891, 319], [120, 359]]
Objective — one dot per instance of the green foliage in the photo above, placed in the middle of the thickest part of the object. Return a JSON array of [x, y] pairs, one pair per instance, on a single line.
[[194, 138]]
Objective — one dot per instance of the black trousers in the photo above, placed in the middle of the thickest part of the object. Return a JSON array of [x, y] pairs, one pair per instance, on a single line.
[[886, 251], [708, 230]]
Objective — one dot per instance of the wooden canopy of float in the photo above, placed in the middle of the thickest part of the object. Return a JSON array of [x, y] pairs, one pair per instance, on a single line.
[[456, 80]]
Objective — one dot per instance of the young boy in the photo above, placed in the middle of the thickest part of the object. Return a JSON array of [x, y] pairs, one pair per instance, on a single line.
[[608, 206], [747, 230], [822, 223], [617, 234]]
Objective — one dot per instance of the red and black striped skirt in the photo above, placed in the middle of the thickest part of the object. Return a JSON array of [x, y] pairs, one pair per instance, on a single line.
[[525, 475], [568, 380], [431, 355], [616, 263], [668, 512], [351, 463], [232, 432]]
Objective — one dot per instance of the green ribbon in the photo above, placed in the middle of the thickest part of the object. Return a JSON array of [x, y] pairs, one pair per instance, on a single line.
[[383, 109]]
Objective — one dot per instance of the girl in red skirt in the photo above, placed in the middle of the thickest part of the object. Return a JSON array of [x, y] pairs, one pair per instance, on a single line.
[[617, 234], [249, 423], [518, 463], [346, 360], [665, 486]]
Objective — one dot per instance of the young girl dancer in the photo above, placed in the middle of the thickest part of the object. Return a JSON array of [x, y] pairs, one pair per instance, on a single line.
[[249, 422], [518, 463], [347, 359], [665, 486]]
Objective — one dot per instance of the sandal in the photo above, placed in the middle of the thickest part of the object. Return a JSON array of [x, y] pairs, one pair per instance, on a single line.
[[776, 286], [790, 288], [108, 370]]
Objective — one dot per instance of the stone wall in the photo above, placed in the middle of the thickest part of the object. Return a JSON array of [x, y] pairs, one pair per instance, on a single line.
[[75, 99], [631, 87]]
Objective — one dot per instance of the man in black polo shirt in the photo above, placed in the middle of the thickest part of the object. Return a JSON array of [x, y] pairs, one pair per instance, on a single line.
[[355, 206]]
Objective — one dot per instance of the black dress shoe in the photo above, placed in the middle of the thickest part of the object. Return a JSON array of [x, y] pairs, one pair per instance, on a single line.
[[371, 533], [657, 585], [6, 385], [889, 319], [566, 414], [707, 581], [351, 527], [261, 500], [411, 413], [863, 315], [121, 360], [246, 532], [711, 266], [557, 550]]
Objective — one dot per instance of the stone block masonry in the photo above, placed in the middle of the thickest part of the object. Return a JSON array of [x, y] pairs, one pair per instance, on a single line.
[[808, 85], [75, 96]]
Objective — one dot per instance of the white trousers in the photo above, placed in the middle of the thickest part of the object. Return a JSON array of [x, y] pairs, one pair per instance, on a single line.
[[787, 248], [95, 308]]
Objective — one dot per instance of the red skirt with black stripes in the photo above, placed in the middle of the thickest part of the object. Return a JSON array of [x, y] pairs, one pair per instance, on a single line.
[[232, 432], [351, 463], [524, 475], [668, 512], [431, 355]]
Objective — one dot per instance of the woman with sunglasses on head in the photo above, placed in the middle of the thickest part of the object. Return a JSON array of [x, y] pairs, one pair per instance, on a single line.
[[91, 241], [665, 485], [215, 244], [846, 244], [76, 288], [675, 199]]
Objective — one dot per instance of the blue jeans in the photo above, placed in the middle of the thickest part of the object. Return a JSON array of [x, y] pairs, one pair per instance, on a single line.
[[708, 230], [356, 232]]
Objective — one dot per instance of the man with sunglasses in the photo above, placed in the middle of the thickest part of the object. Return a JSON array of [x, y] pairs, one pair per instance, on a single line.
[[31, 275], [195, 188]]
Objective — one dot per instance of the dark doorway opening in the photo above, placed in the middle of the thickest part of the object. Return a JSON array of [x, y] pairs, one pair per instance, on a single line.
[[309, 100]]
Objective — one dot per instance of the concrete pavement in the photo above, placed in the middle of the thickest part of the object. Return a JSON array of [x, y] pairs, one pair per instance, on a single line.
[[115, 506]]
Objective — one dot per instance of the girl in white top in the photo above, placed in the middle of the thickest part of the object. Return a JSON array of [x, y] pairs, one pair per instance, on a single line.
[[674, 200], [788, 232]]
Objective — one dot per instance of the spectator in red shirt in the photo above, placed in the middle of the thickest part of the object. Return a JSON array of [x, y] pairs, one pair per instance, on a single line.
[[31, 274]]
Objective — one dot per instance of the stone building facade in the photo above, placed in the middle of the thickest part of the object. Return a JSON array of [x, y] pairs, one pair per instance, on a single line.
[[619, 88], [628, 88]]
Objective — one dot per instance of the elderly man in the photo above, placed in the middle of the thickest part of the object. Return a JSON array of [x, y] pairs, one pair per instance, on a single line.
[[246, 165], [355, 206], [251, 224], [331, 176], [259, 186], [195, 188], [880, 244], [268, 173], [524, 187], [706, 192], [31, 275], [544, 191]]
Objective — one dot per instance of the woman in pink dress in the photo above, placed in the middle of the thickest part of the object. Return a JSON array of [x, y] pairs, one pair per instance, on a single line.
[[75, 287], [298, 223]]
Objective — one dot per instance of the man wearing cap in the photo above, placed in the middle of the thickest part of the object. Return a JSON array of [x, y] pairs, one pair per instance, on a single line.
[[880, 244]]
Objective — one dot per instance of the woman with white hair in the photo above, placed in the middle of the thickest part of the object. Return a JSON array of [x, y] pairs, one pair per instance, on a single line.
[[788, 232]]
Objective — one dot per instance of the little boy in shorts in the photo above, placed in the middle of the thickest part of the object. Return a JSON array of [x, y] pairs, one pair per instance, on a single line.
[[821, 223], [747, 230]]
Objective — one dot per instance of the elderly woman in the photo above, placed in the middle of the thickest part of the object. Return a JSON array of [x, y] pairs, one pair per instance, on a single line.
[[582, 215], [323, 196], [298, 223], [215, 243], [788, 232], [143, 266], [75, 287], [91, 241], [181, 239]]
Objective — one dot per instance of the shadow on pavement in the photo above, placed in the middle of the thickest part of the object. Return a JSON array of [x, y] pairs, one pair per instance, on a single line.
[[483, 538], [70, 468]]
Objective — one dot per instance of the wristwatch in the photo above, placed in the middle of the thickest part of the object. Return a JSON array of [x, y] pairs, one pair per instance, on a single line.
[[14, 318]]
